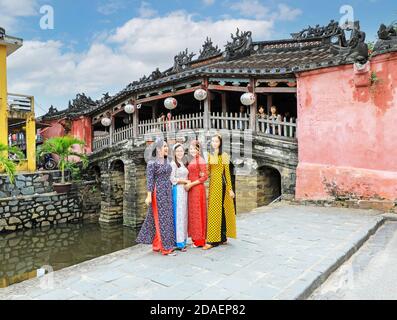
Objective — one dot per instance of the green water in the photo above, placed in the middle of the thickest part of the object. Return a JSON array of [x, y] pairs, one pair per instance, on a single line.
[[23, 253]]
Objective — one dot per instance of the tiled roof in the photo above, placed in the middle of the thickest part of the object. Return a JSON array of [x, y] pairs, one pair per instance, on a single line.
[[309, 49]]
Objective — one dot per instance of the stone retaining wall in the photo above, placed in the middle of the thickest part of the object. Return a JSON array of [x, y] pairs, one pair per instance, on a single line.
[[25, 212], [28, 184]]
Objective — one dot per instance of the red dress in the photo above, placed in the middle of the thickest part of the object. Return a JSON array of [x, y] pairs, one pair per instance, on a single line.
[[197, 204]]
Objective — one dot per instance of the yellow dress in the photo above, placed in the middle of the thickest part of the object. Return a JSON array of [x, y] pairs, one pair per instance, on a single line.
[[217, 165]]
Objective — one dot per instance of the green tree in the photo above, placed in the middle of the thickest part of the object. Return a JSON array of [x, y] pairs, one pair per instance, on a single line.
[[63, 148], [9, 166]]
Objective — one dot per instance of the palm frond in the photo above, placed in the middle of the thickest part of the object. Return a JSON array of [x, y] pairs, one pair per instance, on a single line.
[[8, 165], [63, 147]]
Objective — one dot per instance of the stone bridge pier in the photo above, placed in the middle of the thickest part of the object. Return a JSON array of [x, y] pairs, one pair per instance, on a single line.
[[266, 173], [122, 182]]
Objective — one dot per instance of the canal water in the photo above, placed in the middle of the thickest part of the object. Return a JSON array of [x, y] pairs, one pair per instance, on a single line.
[[31, 253]]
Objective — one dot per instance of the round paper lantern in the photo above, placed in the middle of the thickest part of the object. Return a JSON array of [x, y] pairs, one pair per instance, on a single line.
[[200, 94], [170, 103], [129, 108], [106, 122], [247, 99]]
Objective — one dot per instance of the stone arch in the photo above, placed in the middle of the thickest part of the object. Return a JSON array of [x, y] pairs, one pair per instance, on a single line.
[[269, 185], [288, 176]]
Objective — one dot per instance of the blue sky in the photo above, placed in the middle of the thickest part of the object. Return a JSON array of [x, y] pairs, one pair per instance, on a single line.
[[98, 46]]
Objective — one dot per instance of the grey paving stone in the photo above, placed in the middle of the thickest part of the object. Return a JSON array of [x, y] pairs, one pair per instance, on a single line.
[[57, 294], [212, 293], [278, 254], [262, 292], [370, 274]]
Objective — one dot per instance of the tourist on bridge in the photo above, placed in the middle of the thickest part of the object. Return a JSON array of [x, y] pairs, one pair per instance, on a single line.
[[158, 228], [221, 209], [179, 178], [197, 204]]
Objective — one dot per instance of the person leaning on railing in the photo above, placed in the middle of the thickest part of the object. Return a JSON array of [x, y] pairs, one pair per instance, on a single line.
[[276, 117], [261, 113]]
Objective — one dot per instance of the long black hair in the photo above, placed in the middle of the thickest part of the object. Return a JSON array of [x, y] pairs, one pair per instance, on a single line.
[[220, 145], [158, 144]]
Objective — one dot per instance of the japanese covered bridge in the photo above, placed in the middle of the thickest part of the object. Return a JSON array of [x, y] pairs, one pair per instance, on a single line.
[[264, 149]]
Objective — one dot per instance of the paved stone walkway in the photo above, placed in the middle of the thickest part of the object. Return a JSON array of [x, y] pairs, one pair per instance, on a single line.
[[281, 253], [370, 274]]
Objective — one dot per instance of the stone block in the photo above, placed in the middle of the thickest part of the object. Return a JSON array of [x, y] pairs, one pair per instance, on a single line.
[[27, 191], [382, 205]]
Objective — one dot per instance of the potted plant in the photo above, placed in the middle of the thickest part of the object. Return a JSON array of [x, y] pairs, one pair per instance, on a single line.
[[63, 148], [8, 163]]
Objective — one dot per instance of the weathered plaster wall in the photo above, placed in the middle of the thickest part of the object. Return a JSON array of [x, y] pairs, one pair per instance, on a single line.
[[346, 132], [56, 130], [80, 128]]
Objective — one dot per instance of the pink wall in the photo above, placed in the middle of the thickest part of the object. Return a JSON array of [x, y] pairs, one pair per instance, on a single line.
[[81, 129], [347, 131], [56, 130]]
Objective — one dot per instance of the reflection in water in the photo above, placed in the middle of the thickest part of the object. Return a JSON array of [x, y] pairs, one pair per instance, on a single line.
[[24, 253]]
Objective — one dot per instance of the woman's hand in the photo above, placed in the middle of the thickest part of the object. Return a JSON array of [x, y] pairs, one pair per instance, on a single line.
[[232, 195], [187, 186], [148, 200]]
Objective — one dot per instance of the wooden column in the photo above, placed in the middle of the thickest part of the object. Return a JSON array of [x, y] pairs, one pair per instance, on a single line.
[[207, 110], [269, 103], [224, 102], [111, 130], [154, 110], [207, 107], [135, 122], [253, 108]]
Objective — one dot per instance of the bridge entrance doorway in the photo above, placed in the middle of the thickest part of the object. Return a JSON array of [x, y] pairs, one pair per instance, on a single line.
[[269, 186]]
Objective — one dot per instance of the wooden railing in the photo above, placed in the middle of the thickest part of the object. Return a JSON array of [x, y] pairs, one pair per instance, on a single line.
[[217, 120], [181, 122], [229, 121], [101, 142], [124, 133], [277, 127], [19, 102]]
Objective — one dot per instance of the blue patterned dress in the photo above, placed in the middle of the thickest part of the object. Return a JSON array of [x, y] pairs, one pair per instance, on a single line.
[[159, 183]]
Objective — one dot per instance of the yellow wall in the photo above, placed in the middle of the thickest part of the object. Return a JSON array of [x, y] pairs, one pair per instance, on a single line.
[[30, 164], [3, 96]]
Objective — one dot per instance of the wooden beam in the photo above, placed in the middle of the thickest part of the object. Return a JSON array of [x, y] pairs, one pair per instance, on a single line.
[[227, 88], [275, 90], [167, 95]]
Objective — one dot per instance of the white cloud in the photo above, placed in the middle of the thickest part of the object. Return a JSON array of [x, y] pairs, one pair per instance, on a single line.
[[10, 11], [54, 74], [255, 9], [251, 9], [146, 11], [287, 13]]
